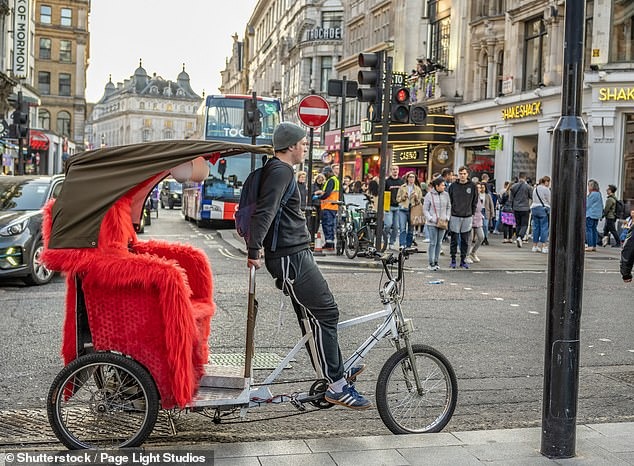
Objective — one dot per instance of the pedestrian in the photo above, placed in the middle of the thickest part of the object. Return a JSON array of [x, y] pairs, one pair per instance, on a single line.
[[437, 209], [390, 221], [594, 210], [329, 205], [609, 213], [373, 192], [293, 266], [408, 196], [627, 226], [507, 218], [488, 211], [521, 195], [627, 256], [302, 187], [317, 188], [540, 215], [479, 224], [464, 202]]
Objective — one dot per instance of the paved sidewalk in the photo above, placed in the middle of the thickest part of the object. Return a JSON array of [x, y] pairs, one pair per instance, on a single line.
[[596, 444], [496, 256]]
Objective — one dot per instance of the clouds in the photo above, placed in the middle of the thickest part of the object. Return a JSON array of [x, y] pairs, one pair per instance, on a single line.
[[164, 35]]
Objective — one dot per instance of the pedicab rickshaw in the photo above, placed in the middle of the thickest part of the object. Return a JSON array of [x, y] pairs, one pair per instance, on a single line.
[[138, 313]]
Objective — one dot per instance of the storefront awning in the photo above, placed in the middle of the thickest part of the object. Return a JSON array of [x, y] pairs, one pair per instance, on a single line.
[[38, 140]]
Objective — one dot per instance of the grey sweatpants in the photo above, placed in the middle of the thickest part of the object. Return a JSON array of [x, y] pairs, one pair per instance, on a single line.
[[308, 290]]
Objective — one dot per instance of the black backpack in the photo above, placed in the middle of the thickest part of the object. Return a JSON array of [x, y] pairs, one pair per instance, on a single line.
[[620, 210], [248, 200]]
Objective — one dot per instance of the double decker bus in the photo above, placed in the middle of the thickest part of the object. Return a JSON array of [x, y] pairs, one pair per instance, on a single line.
[[221, 119]]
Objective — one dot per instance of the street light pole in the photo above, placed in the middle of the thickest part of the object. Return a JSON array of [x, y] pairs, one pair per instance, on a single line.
[[566, 252]]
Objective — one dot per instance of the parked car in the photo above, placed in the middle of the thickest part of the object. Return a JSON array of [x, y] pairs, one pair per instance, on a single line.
[[21, 201], [171, 193]]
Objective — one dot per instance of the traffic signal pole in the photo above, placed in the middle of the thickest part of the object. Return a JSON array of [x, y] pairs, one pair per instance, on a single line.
[[18, 108], [566, 252], [385, 127], [341, 139], [254, 134]]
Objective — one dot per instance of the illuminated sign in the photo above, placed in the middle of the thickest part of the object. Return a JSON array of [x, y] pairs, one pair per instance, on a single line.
[[320, 33], [616, 93], [522, 110], [411, 155], [21, 37], [496, 142]]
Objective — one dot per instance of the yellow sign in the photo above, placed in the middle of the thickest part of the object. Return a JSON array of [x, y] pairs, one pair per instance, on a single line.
[[616, 93], [521, 111]]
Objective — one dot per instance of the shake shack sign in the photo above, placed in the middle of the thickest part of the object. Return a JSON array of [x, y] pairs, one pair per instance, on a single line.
[[320, 33]]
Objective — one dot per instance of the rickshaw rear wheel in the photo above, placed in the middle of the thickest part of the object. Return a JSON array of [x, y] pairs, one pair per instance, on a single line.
[[102, 400]]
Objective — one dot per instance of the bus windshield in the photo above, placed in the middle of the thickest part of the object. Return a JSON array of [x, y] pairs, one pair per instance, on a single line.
[[224, 118]]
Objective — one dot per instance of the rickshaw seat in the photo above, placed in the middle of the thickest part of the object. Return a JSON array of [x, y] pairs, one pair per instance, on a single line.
[[150, 300]]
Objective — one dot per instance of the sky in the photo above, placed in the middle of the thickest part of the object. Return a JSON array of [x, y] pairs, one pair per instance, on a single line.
[[164, 34]]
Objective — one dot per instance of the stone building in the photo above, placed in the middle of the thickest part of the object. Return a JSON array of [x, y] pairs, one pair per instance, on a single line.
[[144, 108], [61, 59]]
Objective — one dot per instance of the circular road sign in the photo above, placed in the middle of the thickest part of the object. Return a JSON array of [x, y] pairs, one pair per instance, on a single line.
[[313, 111]]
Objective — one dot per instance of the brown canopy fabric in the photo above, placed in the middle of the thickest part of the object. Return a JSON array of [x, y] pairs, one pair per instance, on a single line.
[[96, 179]]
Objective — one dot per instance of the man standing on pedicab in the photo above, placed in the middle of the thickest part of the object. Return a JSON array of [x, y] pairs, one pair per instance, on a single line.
[[292, 264]]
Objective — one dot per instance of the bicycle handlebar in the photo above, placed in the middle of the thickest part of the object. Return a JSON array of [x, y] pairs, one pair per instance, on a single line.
[[388, 258]]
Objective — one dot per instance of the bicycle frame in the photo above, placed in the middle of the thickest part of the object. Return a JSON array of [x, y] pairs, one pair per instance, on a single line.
[[394, 325]]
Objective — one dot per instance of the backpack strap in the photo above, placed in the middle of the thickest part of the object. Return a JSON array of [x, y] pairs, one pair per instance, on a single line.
[[290, 190]]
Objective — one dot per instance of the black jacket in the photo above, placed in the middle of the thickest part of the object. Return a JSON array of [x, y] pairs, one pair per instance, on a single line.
[[627, 256], [292, 231], [464, 199]]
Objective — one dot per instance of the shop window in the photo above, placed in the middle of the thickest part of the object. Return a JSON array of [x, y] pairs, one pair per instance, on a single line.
[[44, 82], [44, 119], [63, 123], [628, 164], [587, 53], [525, 157], [331, 19], [45, 14], [65, 51], [480, 160], [534, 54], [622, 37], [45, 48], [484, 75]]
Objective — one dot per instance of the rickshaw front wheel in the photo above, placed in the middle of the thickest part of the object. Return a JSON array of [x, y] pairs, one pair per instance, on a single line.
[[103, 400]]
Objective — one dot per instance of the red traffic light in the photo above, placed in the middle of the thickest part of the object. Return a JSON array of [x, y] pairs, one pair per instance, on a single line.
[[401, 95]]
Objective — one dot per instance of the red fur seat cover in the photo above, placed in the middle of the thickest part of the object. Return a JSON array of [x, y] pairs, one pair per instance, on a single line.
[[151, 301]]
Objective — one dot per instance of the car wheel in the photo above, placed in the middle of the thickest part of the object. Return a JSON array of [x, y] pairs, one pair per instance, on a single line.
[[39, 273]]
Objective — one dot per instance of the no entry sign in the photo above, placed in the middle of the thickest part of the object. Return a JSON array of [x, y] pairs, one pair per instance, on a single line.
[[313, 111]]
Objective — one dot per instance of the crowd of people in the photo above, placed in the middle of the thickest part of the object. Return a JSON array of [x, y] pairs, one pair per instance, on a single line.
[[462, 210]]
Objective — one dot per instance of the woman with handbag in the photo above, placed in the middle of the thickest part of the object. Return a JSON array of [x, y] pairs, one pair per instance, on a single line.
[[506, 215], [409, 195], [437, 209]]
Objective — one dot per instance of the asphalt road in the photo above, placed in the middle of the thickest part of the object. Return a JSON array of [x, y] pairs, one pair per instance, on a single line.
[[489, 322]]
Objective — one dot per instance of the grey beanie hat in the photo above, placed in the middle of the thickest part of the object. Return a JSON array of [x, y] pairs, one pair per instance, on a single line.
[[286, 135], [327, 170]]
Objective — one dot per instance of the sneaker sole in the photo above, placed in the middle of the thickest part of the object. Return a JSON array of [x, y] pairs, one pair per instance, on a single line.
[[358, 408], [353, 379]]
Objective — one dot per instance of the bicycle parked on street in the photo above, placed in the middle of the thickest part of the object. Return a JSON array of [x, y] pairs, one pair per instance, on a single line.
[[120, 371], [356, 233]]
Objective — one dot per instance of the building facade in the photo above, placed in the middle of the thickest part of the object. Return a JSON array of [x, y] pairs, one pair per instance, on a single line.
[[62, 52], [144, 108]]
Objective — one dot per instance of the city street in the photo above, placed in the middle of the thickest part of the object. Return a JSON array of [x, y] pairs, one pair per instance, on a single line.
[[488, 321]]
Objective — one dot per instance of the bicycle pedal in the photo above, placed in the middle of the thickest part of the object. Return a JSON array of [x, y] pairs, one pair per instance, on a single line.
[[298, 404]]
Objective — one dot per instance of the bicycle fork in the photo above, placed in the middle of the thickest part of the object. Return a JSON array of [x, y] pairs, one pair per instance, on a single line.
[[405, 329]]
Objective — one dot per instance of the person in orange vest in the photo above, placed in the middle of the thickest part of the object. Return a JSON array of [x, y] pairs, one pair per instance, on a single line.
[[329, 208]]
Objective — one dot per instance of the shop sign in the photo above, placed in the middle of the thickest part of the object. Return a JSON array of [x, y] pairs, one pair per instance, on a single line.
[[616, 93], [522, 110], [411, 155], [21, 38], [507, 85], [320, 33], [366, 131], [496, 142], [333, 137]]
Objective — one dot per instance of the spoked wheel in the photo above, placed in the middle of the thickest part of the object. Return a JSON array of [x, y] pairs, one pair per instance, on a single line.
[[405, 410], [103, 400], [351, 247]]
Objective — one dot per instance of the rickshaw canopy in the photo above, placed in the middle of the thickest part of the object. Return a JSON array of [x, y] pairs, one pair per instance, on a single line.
[[96, 179]]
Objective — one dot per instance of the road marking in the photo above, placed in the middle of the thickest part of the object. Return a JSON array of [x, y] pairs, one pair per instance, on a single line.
[[533, 312], [499, 299], [605, 339], [515, 305], [468, 289]]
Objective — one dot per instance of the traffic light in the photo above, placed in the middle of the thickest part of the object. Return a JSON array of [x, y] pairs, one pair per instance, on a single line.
[[20, 120], [374, 78], [417, 114], [399, 107], [251, 125]]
